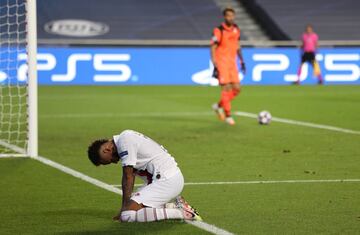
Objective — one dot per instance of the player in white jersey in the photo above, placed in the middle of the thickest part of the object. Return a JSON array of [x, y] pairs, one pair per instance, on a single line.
[[142, 156]]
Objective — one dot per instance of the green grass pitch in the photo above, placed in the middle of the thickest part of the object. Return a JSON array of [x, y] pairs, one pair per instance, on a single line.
[[37, 199]]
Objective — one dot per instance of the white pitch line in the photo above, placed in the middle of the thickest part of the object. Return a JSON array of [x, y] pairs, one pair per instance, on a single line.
[[301, 123], [265, 182], [12, 147], [78, 174], [201, 225], [112, 115], [275, 182], [209, 227], [11, 155]]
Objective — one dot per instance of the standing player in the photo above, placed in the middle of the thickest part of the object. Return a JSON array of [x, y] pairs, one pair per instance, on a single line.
[[309, 46], [225, 49], [164, 181]]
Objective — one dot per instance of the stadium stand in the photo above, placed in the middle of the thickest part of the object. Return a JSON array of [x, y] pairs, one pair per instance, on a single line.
[[250, 28], [284, 19], [134, 19]]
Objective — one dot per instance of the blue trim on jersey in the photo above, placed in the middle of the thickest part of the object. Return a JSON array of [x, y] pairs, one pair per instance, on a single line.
[[124, 153]]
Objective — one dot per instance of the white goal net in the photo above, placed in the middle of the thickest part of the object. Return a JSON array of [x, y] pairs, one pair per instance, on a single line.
[[15, 77]]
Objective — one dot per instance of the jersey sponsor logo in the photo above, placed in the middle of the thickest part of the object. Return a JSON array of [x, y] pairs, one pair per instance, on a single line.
[[76, 28]]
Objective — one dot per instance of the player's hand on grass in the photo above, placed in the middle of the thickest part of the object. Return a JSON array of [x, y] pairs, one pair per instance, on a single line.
[[117, 217]]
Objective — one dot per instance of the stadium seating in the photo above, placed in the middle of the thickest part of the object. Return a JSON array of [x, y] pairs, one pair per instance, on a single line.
[[332, 19], [136, 19], [194, 19]]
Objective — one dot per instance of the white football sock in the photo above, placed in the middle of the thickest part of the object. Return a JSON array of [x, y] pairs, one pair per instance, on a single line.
[[170, 205], [151, 214]]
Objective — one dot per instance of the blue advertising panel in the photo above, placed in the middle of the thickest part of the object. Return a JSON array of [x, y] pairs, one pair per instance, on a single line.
[[177, 66]]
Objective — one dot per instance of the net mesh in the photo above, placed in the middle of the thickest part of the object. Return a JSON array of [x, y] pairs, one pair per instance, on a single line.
[[13, 77]]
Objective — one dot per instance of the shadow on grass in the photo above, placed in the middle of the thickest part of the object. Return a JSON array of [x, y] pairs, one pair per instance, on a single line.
[[81, 212], [95, 221], [165, 227]]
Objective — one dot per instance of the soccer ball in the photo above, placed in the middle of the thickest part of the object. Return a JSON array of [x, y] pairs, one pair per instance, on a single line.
[[264, 118]]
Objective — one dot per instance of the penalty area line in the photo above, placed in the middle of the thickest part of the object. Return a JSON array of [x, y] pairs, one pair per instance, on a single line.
[[199, 224], [266, 182], [301, 123]]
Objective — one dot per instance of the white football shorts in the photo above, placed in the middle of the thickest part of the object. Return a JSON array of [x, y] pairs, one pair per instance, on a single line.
[[160, 192]]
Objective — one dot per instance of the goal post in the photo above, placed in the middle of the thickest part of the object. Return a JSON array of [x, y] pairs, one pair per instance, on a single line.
[[32, 148], [18, 79]]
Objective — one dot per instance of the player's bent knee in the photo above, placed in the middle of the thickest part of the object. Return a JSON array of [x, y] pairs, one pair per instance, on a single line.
[[226, 87], [134, 206], [236, 91], [128, 216]]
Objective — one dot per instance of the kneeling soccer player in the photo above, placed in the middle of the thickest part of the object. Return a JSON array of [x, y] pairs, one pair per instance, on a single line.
[[143, 157]]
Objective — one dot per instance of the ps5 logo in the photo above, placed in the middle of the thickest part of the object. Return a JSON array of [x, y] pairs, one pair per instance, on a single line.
[[339, 67], [263, 67], [92, 66], [108, 67], [274, 62]]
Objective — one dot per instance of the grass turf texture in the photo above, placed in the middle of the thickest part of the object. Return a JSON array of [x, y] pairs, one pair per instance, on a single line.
[[38, 199]]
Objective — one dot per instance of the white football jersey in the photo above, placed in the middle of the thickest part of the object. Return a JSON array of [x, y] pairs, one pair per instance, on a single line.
[[144, 154]]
